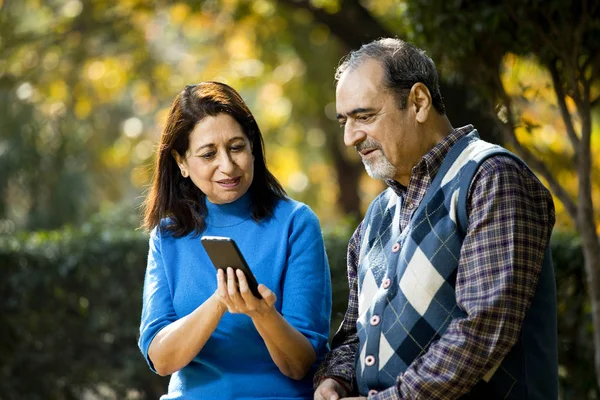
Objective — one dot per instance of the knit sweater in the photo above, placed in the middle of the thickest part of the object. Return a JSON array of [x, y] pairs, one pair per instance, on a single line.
[[286, 253]]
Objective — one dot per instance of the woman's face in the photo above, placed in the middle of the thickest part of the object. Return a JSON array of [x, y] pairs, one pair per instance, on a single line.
[[219, 159]]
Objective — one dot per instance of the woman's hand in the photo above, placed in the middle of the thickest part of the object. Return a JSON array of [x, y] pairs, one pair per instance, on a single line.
[[290, 350], [235, 294]]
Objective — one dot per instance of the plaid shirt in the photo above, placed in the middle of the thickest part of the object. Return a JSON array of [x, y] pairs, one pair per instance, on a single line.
[[507, 208]]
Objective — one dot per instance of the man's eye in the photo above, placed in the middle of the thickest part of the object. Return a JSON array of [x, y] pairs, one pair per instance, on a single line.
[[342, 123], [363, 117]]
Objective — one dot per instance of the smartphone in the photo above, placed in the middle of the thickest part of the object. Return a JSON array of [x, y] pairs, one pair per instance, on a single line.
[[223, 253]]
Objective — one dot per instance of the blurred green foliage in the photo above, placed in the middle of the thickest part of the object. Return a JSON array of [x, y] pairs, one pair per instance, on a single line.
[[575, 348], [71, 302], [84, 87], [69, 313]]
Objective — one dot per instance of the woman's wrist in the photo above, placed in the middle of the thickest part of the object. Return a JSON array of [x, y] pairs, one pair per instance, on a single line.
[[220, 306], [264, 316]]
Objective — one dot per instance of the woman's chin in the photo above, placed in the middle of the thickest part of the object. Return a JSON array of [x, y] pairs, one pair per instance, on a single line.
[[226, 196]]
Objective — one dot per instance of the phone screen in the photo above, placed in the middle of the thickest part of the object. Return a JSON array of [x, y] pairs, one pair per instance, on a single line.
[[223, 253]]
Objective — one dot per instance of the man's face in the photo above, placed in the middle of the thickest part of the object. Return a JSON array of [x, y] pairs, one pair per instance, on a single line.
[[384, 136]]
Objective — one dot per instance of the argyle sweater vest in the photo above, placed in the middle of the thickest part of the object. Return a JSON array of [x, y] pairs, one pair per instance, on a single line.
[[406, 285]]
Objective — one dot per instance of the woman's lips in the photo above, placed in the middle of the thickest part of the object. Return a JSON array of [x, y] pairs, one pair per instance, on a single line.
[[229, 183]]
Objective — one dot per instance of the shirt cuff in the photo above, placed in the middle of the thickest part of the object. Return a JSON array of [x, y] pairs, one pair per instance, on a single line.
[[391, 393]]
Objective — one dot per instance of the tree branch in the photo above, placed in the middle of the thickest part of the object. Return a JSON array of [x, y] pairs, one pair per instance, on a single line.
[[584, 161], [534, 162], [352, 14], [564, 111]]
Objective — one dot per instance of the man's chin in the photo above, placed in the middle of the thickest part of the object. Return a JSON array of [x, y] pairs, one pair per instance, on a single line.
[[380, 172]]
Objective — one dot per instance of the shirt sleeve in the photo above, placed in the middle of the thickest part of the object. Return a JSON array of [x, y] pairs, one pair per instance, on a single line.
[[157, 304], [306, 300], [340, 362], [511, 216]]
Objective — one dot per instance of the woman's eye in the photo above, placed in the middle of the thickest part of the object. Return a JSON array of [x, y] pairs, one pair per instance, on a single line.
[[237, 148], [207, 156]]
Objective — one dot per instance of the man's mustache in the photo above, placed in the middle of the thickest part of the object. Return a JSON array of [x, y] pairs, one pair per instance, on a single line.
[[367, 144]]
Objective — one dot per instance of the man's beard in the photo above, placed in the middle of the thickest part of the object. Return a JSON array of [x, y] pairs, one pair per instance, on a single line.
[[378, 167]]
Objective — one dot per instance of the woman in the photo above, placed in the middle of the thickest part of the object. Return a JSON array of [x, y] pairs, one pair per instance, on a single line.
[[205, 328]]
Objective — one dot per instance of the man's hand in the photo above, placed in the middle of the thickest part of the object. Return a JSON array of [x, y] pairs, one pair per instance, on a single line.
[[329, 389], [354, 398]]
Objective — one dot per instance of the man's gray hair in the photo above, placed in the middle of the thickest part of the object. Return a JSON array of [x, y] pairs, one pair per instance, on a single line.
[[404, 65]]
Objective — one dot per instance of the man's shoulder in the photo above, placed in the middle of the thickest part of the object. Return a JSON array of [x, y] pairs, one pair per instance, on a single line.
[[384, 196], [384, 203]]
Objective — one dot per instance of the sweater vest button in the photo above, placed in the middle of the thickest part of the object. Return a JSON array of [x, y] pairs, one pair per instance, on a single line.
[[375, 320], [372, 392], [386, 283], [370, 361], [396, 247]]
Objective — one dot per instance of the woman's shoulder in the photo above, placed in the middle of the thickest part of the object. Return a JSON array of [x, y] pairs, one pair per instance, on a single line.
[[161, 231], [288, 208], [287, 205]]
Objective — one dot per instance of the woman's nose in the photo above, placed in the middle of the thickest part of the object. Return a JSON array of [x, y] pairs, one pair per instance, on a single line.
[[226, 163]]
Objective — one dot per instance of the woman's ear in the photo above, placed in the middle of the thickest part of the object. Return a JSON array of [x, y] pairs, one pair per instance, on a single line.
[[421, 100], [180, 163]]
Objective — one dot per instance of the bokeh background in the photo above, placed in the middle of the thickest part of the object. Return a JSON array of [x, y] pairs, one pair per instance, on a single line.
[[85, 86]]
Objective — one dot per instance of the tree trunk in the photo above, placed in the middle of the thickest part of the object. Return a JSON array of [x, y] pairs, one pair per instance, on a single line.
[[348, 173], [591, 253]]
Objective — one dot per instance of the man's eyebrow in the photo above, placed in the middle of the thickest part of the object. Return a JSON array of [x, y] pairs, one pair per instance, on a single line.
[[352, 113]]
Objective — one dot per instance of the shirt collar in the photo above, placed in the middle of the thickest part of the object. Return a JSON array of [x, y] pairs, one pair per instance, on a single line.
[[432, 161]]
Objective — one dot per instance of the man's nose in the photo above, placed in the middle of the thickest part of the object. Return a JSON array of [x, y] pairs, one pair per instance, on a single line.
[[352, 135]]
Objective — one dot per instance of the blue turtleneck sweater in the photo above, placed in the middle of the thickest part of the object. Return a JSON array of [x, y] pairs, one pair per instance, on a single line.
[[286, 253]]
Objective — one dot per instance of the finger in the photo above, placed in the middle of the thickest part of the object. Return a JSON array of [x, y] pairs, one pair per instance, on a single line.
[[320, 394], [333, 396], [221, 285], [244, 287], [222, 292], [330, 394], [231, 284], [326, 393], [328, 390], [267, 295]]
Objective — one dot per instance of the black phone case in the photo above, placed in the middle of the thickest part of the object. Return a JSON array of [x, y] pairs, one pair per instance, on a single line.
[[223, 253]]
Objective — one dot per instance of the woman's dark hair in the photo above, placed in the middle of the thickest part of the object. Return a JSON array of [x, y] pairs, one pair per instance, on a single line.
[[176, 197], [404, 65]]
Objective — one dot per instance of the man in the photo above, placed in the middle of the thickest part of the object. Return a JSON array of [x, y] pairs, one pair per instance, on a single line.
[[452, 292]]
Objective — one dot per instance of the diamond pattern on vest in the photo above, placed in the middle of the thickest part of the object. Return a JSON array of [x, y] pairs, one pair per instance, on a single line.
[[420, 282]]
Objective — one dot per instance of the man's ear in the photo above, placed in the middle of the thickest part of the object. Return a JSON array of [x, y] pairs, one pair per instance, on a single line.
[[420, 99]]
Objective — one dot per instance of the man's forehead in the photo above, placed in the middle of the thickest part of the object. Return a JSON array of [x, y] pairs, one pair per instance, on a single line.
[[354, 96], [364, 76], [367, 69]]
